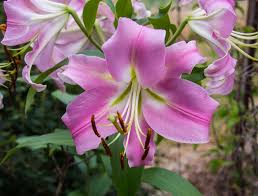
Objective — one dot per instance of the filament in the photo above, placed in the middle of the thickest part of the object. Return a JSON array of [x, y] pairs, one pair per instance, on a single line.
[[245, 37], [242, 52]]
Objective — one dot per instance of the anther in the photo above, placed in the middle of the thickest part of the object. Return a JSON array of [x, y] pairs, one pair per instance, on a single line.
[[122, 123], [107, 149], [3, 27], [122, 160], [113, 120], [145, 154], [93, 124], [148, 138], [18, 62]]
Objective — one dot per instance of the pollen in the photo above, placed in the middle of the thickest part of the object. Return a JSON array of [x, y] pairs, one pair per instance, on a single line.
[[94, 127], [148, 138], [145, 154], [3, 27], [122, 123]]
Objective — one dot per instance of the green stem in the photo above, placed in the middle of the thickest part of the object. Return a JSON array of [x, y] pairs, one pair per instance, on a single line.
[[83, 29], [178, 32], [100, 33]]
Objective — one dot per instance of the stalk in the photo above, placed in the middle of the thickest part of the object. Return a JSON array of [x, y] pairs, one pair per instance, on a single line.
[[178, 32], [82, 27]]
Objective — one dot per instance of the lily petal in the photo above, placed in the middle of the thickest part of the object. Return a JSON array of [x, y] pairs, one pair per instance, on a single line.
[[186, 114], [182, 57], [78, 117], [134, 150], [17, 32], [226, 16], [224, 66], [224, 86], [204, 29], [45, 40], [221, 75], [88, 72], [136, 47]]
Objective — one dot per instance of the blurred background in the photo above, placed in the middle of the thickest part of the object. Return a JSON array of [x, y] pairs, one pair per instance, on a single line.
[[228, 165]]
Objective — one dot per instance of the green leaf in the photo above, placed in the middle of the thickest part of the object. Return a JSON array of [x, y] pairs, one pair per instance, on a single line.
[[32, 92], [111, 5], [196, 76], [127, 181], [63, 96], [169, 181], [99, 185], [93, 53], [89, 14], [124, 8], [58, 137], [159, 139], [162, 21], [164, 9]]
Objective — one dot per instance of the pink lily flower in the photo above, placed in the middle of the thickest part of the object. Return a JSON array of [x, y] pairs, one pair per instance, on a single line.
[[1, 101], [138, 87], [140, 10], [106, 18], [221, 75], [46, 26], [184, 2], [215, 22], [2, 81]]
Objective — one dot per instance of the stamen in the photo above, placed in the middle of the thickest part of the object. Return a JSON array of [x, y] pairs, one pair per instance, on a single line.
[[116, 138], [3, 27], [236, 41], [148, 138], [113, 120], [206, 17], [94, 128], [122, 123], [245, 34], [145, 154], [122, 160], [242, 52], [253, 37], [107, 149]]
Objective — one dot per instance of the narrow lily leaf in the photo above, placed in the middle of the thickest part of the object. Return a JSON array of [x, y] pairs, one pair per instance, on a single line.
[[32, 92], [90, 14], [58, 137], [63, 96], [99, 185], [164, 9], [93, 53], [124, 8], [127, 181], [169, 181], [162, 20], [111, 5]]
